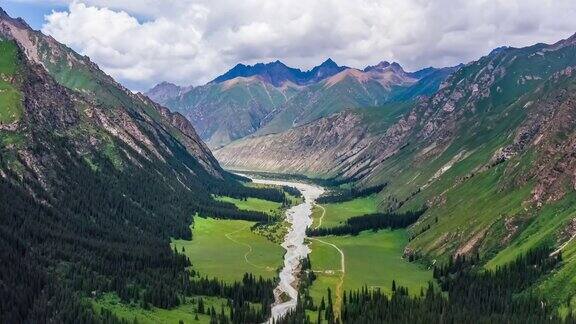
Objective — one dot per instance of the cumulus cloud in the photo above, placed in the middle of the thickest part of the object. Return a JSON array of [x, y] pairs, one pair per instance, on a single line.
[[142, 42]]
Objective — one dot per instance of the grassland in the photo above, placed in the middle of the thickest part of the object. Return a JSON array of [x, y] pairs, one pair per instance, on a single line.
[[337, 213], [476, 208], [318, 213], [373, 259], [185, 312], [560, 285], [255, 204], [542, 230], [226, 249]]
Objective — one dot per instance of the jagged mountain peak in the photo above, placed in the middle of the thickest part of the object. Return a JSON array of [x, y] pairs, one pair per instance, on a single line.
[[328, 63], [277, 73], [164, 91], [274, 72], [385, 73], [380, 65], [383, 65]]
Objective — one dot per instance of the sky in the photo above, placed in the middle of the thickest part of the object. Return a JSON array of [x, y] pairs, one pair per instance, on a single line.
[[190, 42]]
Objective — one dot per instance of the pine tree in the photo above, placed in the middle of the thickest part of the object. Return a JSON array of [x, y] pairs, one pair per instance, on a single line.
[[201, 306]]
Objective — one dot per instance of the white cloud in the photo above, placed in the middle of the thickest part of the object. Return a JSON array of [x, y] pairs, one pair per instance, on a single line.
[[142, 42]]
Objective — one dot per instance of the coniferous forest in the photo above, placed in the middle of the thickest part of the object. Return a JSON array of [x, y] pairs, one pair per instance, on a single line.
[[108, 230], [342, 195], [357, 224], [463, 293]]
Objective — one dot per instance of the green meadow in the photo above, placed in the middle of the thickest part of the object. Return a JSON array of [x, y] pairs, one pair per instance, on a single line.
[[255, 204], [337, 213], [226, 249], [371, 258], [185, 312]]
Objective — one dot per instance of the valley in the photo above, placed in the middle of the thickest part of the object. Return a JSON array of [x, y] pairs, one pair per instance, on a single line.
[[369, 193]]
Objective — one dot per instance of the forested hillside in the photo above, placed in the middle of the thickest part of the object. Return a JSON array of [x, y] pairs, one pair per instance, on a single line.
[[95, 181]]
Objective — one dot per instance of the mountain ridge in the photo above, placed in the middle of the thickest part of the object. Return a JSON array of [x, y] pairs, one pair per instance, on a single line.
[[277, 73], [267, 98]]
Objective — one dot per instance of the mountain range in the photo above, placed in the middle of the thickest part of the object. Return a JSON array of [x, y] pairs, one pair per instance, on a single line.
[[494, 135], [272, 97]]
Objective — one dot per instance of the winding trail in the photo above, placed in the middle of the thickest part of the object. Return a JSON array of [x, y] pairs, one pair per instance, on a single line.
[[321, 217], [563, 246], [339, 287], [250, 249]]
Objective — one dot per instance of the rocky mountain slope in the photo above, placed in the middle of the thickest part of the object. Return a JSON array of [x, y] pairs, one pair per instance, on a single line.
[[94, 181], [268, 98], [222, 112], [116, 108], [352, 89], [490, 155]]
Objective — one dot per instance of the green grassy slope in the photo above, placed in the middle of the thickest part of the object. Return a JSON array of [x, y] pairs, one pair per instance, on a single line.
[[337, 213], [456, 180], [11, 108]]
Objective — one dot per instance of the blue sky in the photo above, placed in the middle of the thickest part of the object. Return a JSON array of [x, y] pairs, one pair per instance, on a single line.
[[33, 13], [189, 42]]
